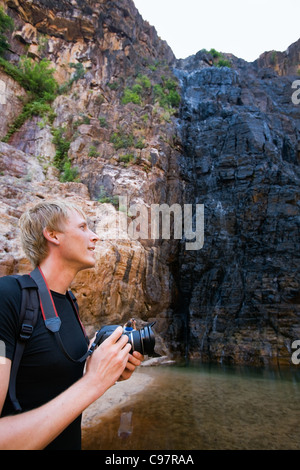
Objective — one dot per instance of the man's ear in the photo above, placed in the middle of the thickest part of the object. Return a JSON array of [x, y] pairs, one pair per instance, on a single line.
[[51, 236]]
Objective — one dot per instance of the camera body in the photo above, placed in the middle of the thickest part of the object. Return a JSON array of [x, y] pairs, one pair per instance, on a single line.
[[142, 340]]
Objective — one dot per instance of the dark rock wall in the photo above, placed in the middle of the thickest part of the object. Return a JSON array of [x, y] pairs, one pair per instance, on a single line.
[[241, 292]]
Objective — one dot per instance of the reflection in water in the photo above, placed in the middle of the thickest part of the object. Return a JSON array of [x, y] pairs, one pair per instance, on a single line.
[[205, 407], [125, 428]]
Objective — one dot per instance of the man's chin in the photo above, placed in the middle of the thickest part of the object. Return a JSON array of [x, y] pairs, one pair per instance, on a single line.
[[88, 265]]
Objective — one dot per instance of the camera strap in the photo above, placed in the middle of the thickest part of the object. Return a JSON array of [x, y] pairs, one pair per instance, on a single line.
[[49, 313]]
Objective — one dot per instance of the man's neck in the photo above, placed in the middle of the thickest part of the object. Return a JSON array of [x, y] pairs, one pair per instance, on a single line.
[[58, 278]]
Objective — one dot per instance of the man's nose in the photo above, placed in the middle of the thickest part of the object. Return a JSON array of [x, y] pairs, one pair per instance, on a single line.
[[94, 236]]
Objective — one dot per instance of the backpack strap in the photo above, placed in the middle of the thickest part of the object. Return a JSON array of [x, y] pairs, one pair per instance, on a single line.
[[28, 318]]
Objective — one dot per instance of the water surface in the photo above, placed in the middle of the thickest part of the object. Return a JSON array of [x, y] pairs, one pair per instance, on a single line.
[[205, 407]]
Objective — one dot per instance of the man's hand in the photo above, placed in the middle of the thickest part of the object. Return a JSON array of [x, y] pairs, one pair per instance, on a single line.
[[135, 359], [108, 361]]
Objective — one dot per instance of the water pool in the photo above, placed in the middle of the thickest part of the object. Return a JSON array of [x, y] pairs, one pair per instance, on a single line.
[[196, 406]]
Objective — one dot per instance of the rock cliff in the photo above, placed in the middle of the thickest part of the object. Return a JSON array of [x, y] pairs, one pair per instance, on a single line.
[[114, 128], [116, 137], [241, 136]]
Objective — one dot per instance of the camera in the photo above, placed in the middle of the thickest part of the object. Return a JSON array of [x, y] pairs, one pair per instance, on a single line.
[[142, 340]]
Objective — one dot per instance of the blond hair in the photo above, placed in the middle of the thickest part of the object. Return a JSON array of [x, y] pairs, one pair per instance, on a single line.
[[47, 214]]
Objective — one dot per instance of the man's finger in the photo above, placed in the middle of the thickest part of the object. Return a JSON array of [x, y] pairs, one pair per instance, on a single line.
[[115, 336]]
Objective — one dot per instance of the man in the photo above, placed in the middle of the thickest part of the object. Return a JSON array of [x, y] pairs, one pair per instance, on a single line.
[[128, 326], [52, 390]]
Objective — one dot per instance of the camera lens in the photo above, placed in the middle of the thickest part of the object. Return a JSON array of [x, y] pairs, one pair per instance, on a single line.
[[143, 340]]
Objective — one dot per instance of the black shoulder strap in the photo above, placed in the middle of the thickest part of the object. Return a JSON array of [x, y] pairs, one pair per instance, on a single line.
[[28, 318]]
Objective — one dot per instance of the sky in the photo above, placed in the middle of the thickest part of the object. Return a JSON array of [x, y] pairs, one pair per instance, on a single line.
[[245, 28]]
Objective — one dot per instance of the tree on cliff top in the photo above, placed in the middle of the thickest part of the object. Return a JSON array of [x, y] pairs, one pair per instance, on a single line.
[[6, 23]]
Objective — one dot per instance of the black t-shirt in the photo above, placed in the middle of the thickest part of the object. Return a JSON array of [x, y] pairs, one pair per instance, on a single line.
[[44, 372]]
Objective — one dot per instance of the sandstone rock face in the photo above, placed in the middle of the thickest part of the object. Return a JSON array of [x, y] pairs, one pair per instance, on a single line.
[[284, 63], [112, 46], [130, 279], [241, 134], [10, 104]]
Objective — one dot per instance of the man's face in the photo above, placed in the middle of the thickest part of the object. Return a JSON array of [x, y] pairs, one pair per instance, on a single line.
[[77, 242]]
